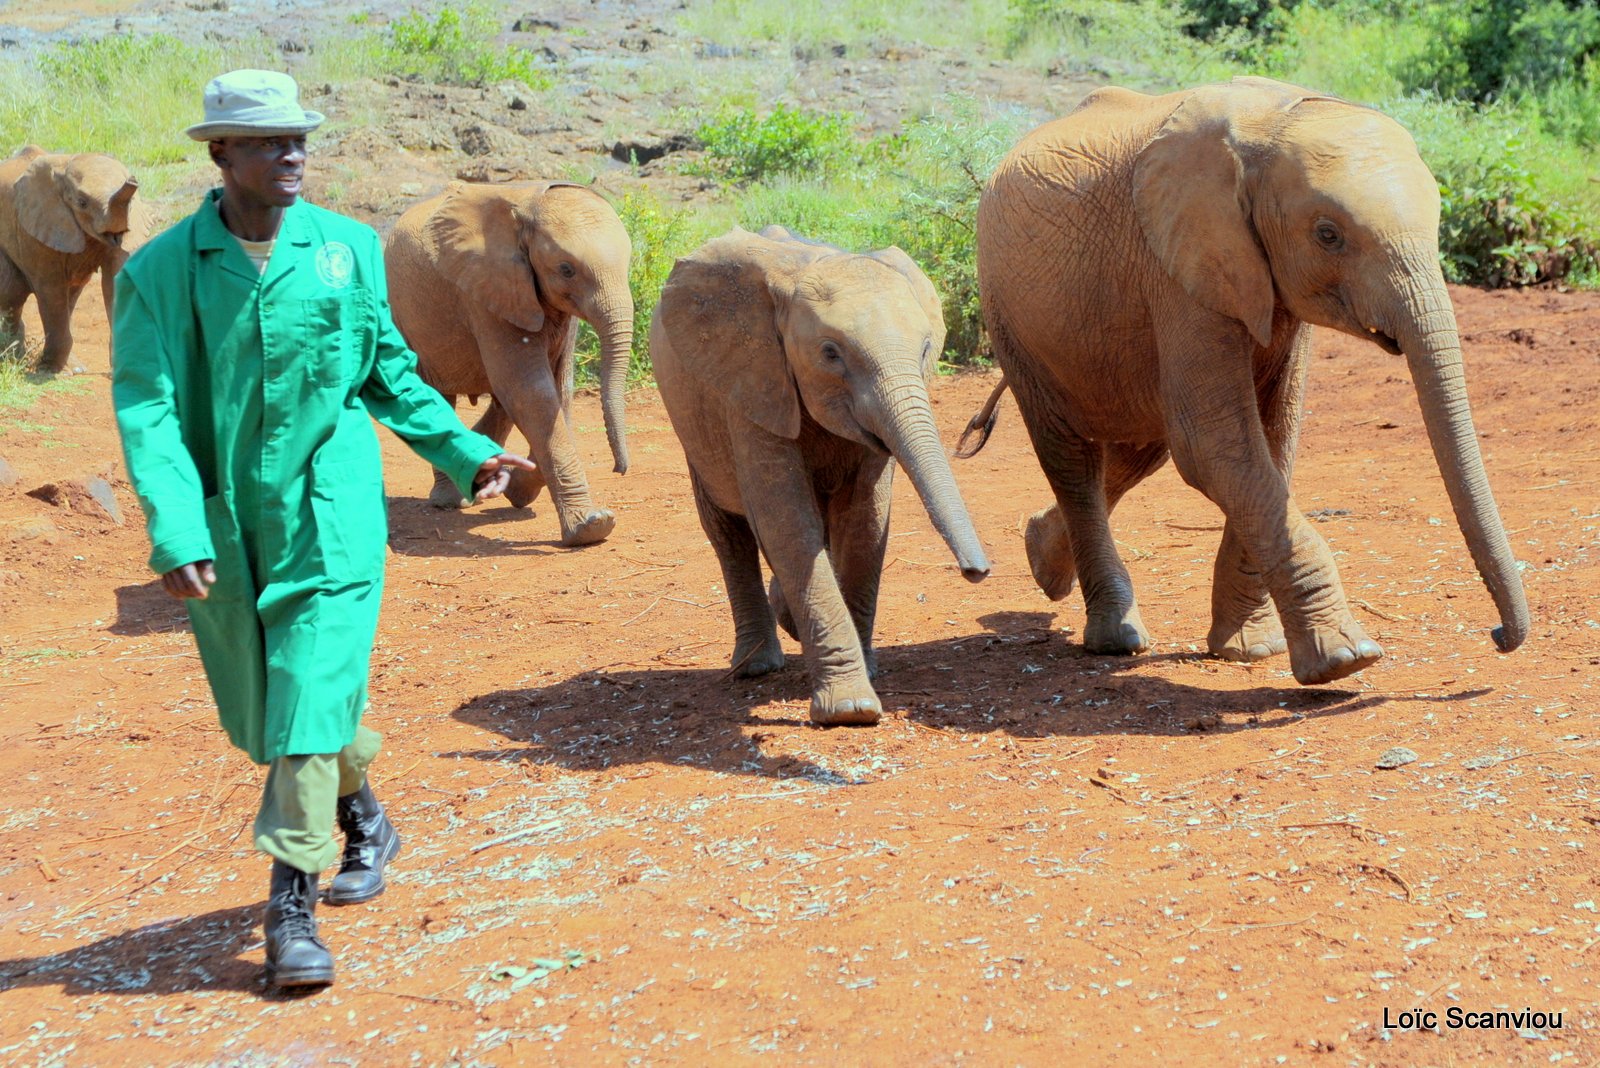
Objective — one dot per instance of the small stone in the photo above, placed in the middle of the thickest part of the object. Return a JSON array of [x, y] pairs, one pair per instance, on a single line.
[[1488, 760], [8, 474], [1206, 722], [1398, 757], [31, 530], [99, 500]]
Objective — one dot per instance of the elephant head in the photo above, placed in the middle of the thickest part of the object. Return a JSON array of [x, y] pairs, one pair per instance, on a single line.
[[524, 250], [67, 201], [1256, 195], [785, 327]]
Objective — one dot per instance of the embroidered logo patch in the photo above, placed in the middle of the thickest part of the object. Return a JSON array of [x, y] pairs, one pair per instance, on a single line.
[[335, 263]]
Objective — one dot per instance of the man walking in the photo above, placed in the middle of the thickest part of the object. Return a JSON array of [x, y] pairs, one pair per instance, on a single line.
[[251, 348]]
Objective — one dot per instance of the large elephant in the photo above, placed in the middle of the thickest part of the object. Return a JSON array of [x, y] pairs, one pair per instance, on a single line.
[[794, 375], [62, 217], [1149, 267], [487, 283]]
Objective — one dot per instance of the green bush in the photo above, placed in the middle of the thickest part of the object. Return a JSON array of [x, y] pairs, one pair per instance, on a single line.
[[660, 235], [744, 146], [1482, 48], [457, 47], [1497, 229]]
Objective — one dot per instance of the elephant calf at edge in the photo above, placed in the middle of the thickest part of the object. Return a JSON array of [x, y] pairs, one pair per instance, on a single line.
[[487, 284], [1224, 220], [794, 375], [62, 217]]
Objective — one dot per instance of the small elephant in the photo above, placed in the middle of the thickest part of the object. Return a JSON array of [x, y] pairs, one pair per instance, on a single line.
[[1149, 269], [795, 375], [62, 217], [487, 283]]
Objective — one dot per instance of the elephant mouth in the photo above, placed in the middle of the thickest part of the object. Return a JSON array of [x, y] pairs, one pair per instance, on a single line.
[[1384, 341]]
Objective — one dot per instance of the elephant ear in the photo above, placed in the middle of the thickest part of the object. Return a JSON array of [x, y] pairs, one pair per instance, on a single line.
[[1193, 202], [721, 308], [927, 296], [475, 237], [42, 209]]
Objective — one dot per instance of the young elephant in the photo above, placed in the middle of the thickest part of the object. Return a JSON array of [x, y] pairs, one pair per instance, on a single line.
[[61, 219], [487, 284], [794, 375], [1150, 269]]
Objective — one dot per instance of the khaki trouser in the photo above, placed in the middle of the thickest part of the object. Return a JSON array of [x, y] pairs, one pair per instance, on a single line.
[[299, 801]]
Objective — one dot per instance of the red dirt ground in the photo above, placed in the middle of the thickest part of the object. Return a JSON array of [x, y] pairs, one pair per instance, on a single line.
[[1037, 854]]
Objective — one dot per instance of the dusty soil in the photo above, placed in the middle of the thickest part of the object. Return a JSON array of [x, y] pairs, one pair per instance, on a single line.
[[1037, 854]]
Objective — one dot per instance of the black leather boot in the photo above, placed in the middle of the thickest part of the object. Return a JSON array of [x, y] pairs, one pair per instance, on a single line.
[[370, 843], [296, 956]]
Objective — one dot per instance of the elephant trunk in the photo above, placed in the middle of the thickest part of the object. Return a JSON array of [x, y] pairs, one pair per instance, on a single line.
[[1429, 338], [907, 428], [614, 324]]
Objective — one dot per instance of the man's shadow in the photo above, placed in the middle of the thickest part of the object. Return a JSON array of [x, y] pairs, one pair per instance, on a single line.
[[1020, 677], [148, 609], [417, 528], [176, 956]]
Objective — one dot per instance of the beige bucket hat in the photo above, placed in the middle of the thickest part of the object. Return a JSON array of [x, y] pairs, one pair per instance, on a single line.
[[253, 103]]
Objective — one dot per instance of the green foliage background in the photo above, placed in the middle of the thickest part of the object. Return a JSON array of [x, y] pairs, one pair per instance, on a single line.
[[1502, 96]]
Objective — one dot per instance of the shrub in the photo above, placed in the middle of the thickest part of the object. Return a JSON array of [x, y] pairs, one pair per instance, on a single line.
[[743, 146], [457, 47], [1482, 48], [660, 235], [1496, 229]]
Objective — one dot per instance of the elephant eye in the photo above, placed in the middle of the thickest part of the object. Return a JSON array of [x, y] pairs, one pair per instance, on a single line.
[[831, 353], [1328, 236], [566, 270]]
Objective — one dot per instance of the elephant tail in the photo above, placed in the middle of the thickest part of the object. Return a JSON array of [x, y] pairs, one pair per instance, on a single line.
[[982, 424]]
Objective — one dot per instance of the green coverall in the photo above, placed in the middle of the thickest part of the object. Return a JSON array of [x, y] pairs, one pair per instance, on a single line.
[[245, 402]]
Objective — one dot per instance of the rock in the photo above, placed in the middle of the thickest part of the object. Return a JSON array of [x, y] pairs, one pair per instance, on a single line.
[[92, 497], [30, 530], [530, 23], [652, 148], [8, 474], [1398, 757], [1477, 763]]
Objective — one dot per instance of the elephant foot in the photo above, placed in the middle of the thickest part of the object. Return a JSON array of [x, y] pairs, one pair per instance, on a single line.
[[1117, 633], [1335, 653], [845, 704], [445, 495], [780, 609], [1259, 637], [756, 658], [64, 367], [595, 527], [524, 488], [1050, 552]]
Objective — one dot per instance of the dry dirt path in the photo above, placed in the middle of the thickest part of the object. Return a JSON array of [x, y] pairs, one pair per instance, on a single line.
[[1037, 852]]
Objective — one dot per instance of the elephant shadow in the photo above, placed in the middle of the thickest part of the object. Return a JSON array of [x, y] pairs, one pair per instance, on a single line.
[[172, 956], [148, 609], [1019, 676], [417, 528]]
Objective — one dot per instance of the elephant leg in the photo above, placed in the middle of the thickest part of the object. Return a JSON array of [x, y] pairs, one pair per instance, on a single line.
[[755, 644], [14, 292], [528, 390], [1075, 469], [55, 316], [858, 536], [1048, 544], [1221, 448], [495, 424], [1244, 624], [776, 487], [444, 493]]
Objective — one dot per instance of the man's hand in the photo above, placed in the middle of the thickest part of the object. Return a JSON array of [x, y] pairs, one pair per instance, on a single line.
[[190, 580], [494, 475]]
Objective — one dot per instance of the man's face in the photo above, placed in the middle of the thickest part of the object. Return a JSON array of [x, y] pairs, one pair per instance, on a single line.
[[265, 170]]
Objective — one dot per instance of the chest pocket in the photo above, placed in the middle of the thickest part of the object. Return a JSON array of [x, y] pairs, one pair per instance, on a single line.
[[333, 338]]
